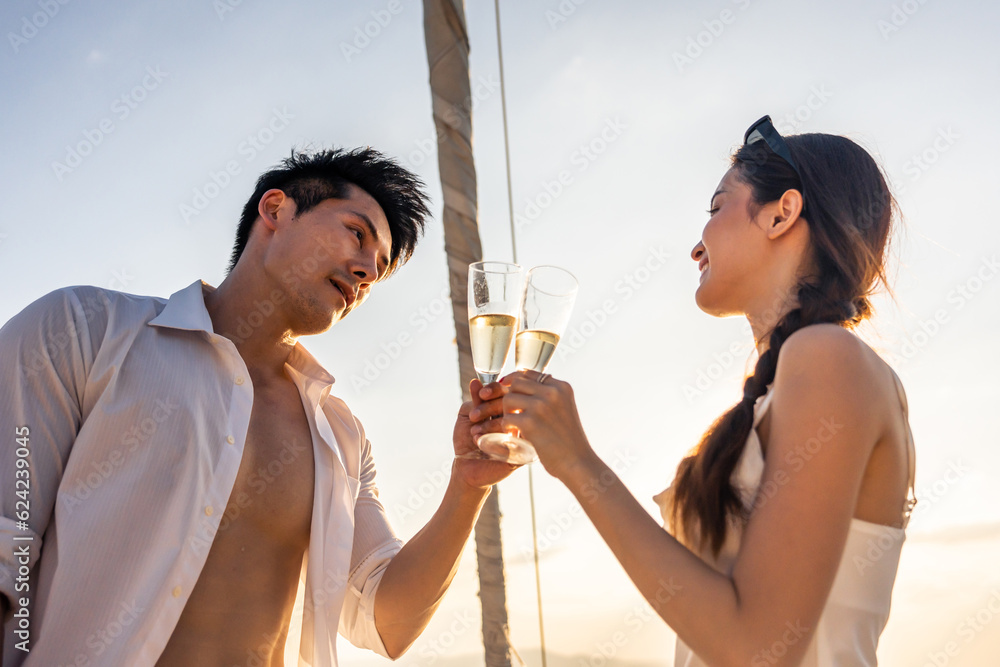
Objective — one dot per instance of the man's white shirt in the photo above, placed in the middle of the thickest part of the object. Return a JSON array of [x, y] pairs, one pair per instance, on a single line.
[[136, 414]]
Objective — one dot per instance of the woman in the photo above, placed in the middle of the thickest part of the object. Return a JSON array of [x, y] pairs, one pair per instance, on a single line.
[[767, 557]]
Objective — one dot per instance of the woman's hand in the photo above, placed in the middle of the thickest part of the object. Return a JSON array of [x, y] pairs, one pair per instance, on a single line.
[[546, 414]]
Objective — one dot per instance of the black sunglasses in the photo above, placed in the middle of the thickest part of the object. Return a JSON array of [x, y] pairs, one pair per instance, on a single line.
[[764, 131]]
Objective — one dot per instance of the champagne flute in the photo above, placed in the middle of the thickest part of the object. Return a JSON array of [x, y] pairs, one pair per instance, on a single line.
[[495, 290], [494, 293], [549, 294]]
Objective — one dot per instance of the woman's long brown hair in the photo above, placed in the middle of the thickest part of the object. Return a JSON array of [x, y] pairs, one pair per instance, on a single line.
[[850, 212]]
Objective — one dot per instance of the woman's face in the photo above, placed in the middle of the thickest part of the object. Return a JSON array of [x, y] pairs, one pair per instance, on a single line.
[[731, 252]]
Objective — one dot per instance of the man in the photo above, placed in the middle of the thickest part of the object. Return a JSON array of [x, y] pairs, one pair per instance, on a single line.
[[171, 467]]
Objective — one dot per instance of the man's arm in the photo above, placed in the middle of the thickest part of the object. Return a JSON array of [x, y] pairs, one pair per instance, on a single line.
[[417, 577], [46, 351]]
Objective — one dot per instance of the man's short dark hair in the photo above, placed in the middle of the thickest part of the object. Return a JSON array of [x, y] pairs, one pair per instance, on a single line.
[[310, 178]]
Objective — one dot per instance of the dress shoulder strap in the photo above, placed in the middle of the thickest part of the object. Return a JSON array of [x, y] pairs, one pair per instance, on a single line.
[[911, 454]]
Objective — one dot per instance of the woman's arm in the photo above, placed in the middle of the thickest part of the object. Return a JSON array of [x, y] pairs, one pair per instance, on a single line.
[[826, 391]]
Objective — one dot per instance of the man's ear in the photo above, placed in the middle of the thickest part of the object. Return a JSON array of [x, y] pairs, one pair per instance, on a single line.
[[271, 203], [786, 213]]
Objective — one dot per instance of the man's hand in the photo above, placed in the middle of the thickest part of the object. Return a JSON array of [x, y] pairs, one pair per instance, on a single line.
[[480, 415]]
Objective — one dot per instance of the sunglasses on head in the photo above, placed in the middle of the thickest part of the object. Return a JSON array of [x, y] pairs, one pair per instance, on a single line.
[[764, 131]]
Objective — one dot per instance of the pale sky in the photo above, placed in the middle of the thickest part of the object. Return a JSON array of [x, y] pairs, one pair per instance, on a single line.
[[120, 120]]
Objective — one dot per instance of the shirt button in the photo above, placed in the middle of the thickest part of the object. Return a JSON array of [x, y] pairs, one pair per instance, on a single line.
[[208, 511], [177, 591], [239, 379], [230, 439]]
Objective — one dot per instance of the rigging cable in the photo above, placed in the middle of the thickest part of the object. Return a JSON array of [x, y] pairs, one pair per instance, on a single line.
[[513, 245]]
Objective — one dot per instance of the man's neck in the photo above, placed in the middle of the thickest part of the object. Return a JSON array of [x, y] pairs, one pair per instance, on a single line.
[[265, 347]]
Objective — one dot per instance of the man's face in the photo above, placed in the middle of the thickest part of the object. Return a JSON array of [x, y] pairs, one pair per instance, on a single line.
[[327, 259]]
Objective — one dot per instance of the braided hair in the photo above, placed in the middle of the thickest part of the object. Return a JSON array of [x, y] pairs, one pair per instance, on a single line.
[[849, 211]]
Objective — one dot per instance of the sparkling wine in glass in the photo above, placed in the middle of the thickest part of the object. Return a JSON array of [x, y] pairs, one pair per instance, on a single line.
[[546, 305], [491, 335]]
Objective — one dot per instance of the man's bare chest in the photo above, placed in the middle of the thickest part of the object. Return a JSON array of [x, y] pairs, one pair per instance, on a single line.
[[275, 484]]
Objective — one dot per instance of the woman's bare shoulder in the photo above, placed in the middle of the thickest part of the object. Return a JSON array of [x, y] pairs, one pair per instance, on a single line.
[[829, 347], [831, 357]]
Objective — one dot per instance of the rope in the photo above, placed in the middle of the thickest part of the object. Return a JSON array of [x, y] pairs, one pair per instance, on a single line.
[[513, 245], [506, 633], [506, 143]]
